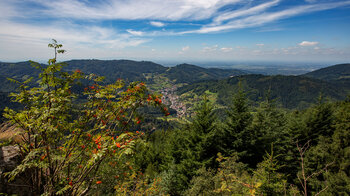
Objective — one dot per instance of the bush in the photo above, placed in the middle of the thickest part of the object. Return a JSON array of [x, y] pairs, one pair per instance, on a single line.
[[65, 143]]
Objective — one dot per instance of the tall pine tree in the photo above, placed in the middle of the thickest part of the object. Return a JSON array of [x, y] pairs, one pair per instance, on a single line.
[[269, 129], [236, 135], [195, 146]]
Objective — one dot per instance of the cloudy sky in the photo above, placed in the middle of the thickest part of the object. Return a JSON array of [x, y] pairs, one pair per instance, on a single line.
[[177, 30]]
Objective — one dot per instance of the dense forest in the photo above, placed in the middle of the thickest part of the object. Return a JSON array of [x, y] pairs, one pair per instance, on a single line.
[[261, 135], [290, 91]]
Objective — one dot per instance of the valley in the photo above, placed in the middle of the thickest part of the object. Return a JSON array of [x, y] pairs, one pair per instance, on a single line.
[[183, 85]]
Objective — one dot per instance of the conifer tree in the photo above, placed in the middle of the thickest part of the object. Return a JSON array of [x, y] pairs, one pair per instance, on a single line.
[[203, 134], [314, 122], [235, 135], [195, 146], [269, 128], [332, 153]]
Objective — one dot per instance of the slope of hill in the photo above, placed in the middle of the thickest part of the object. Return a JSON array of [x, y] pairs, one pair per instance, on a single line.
[[127, 70], [114, 69], [186, 73], [331, 73], [336, 74], [17, 70], [290, 91]]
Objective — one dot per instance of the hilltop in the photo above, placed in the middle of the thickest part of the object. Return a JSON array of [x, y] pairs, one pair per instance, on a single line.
[[337, 74], [126, 69], [331, 73], [185, 82], [289, 91]]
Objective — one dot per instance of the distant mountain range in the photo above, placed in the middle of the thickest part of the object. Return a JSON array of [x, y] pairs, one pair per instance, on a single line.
[[290, 91], [331, 73], [124, 69], [339, 74]]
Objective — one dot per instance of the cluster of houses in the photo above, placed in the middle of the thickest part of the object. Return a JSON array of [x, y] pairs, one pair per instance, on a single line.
[[171, 99]]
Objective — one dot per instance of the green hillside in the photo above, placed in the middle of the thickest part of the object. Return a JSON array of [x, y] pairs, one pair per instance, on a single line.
[[331, 73], [290, 91], [17, 70], [155, 75], [114, 69], [186, 73], [127, 70], [338, 74]]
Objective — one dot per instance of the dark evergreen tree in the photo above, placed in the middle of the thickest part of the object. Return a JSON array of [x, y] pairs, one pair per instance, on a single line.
[[195, 146], [269, 129], [332, 154], [204, 133], [236, 135], [314, 122]]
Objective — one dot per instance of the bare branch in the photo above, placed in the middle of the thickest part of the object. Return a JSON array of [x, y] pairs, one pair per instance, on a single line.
[[322, 190], [319, 172]]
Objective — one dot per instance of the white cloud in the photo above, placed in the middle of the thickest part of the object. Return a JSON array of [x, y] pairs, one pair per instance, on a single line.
[[186, 48], [266, 17], [133, 10], [29, 41], [237, 14], [78, 22], [260, 45], [226, 49], [210, 48], [244, 12], [157, 24], [136, 33], [308, 43], [7, 10]]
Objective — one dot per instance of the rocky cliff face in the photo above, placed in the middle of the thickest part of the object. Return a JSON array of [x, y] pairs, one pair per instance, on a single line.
[[9, 159]]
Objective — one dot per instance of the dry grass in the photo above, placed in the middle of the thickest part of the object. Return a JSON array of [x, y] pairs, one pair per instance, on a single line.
[[10, 132]]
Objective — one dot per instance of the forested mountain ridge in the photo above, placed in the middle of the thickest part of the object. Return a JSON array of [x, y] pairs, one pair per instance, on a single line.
[[337, 74], [290, 91], [186, 73], [126, 69], [114, 69], [156, 76], [331, 73]]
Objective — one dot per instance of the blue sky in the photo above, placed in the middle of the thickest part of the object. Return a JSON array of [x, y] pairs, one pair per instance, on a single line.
[[177, 30]]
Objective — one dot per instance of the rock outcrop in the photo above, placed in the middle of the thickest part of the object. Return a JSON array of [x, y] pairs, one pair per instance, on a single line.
[[9, 159]]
